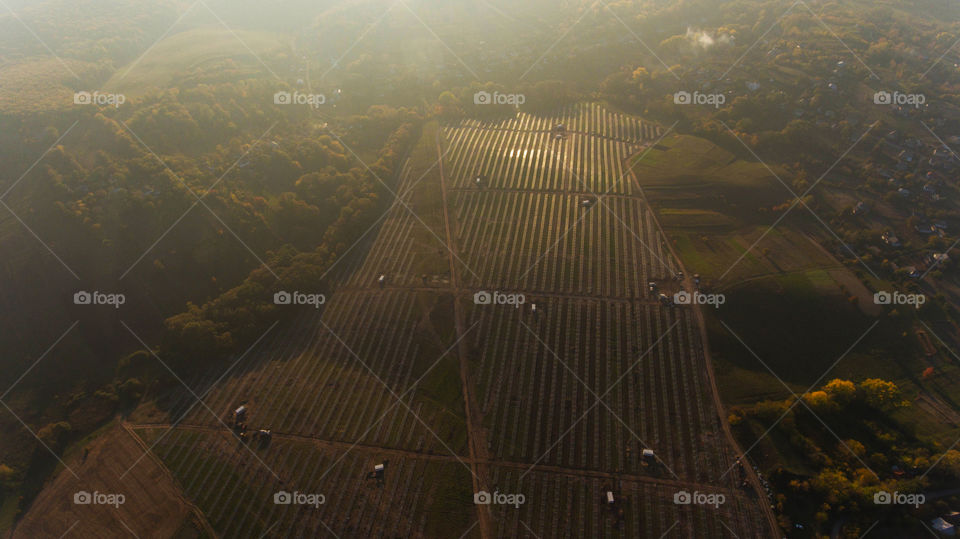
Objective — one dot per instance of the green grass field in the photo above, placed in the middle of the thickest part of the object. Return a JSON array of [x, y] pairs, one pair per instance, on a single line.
[[695, 219], [688, 174], [684, 161], [716, 208]]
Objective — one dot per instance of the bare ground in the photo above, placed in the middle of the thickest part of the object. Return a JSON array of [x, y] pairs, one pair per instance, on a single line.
[[153, 505]]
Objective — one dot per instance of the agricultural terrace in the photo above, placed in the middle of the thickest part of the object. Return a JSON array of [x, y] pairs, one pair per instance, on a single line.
[[401, 366]]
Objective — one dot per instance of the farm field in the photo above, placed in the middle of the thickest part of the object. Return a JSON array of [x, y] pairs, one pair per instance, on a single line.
[[570, 501], [554, 214], [524, 154], [154, 504], [421, 496], [309, 382], [539, 378], [556, 403], [717, 210]]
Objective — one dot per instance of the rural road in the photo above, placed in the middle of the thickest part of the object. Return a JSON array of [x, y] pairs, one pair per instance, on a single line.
[[476, 440]]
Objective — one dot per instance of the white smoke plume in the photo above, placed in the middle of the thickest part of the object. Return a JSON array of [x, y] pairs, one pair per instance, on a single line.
[[705, 40]]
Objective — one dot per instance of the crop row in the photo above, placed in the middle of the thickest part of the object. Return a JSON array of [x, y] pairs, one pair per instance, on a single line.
[[525, 158], [586, 117], [534, 160], [559, 505], [539, 377], [236, 492], [551, 242]]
